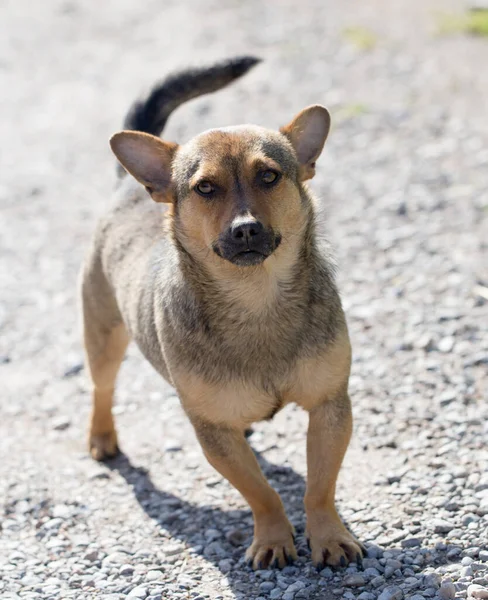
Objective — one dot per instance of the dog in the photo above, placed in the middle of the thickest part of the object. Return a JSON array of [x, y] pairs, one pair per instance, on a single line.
[[222, 282]]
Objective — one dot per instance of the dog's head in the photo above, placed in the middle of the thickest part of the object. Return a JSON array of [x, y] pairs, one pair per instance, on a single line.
[[236, 191]]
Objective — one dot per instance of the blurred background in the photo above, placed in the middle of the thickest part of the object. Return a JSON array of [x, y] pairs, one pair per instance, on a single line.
[[403, 188]]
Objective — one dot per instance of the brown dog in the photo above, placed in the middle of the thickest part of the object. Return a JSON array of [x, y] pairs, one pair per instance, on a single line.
[[223, 285]]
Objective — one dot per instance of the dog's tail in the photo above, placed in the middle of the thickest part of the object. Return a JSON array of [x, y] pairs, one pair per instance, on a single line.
[[150, 114]]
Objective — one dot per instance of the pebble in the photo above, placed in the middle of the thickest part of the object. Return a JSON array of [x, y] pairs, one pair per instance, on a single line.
[[477, 591], [60, 423], [446, 344], [378, 581], [138, 592], [391, 593], [447, 591], [371, 573], [295, 587], [442, 526], [153, 575], [354, 580], [236, 537], [411, 543]]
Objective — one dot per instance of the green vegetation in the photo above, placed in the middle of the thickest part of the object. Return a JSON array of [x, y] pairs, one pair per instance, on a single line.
[[360, 37], [473, 22], [350, 111]]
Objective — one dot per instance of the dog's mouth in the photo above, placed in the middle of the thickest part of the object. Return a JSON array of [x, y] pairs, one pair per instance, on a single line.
[[251, 256], [248, 258]]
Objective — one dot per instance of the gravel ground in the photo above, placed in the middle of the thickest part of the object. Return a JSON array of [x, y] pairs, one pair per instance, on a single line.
[[404, 187]]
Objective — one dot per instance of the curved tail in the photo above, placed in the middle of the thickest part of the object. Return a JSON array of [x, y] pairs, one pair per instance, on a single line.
[[150, 114]]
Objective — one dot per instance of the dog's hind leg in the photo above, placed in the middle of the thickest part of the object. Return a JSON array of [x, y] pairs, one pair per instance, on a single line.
[[106, 340]]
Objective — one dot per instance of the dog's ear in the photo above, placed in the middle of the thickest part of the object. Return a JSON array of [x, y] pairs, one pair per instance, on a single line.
[[148, 159], [307, 134]]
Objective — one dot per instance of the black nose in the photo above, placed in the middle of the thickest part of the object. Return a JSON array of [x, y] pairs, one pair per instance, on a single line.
[[247, 231]]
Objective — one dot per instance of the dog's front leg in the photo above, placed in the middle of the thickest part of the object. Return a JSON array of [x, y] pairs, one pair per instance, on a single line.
[[227, 451], [329, 432]]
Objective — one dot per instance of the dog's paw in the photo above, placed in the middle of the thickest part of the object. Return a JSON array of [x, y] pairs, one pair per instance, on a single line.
[[103, 446], [332, 544], [273, 547]]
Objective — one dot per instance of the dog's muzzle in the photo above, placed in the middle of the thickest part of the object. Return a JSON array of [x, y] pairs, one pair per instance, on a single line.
[[247, 243]]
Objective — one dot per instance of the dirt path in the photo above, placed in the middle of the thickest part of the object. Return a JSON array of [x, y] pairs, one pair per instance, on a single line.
[[404, 188]]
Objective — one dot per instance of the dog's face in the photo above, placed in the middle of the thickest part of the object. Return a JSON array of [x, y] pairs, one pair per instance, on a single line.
[[236, 191]]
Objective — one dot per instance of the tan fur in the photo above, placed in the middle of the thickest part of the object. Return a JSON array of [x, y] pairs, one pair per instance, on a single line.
[[321, 378], [237, 342]]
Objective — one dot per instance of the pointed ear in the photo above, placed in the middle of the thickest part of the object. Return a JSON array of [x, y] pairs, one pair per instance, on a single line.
[[148, 159], [307, 134]]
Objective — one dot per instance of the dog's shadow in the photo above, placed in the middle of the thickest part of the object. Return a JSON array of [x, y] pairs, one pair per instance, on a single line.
[[190, 522]]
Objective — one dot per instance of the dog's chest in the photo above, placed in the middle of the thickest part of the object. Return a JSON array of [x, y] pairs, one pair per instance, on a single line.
[[310, 381], [233, 404]]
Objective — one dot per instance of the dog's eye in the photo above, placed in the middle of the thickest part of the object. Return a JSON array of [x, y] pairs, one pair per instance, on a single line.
[[268, 177], [204, 188]]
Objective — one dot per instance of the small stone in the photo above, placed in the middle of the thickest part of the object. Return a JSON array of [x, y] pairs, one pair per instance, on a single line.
[[442, 526], [447, 397], [116, 558], [126, 570], [425, 342], [446, 344], [215, 549], [378, 581], [212, 535], [236, 537], [295, 587], [327, 573], [430, 592], [371, 572], [225, 565], [354, 580], [372, 563], [275, 594], [138, 592], [173, 549], [73, 370], [391, 593], [367, 596], [172, 446], [411, 543], [60, 423], [447, 591], [267, 586], [483, 555], [477, 591], [153, 575], [432, 580], [374, 551]]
